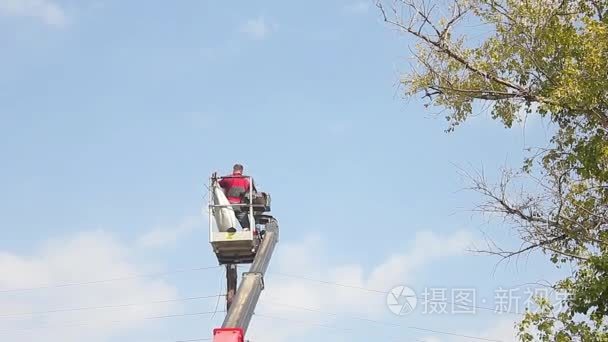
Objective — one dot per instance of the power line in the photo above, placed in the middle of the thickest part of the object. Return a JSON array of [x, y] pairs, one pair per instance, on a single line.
[[387, 292], [327, 326], [321, 325], [314, 324], [386, 323], [328, 282], [107, 306], [98, 281], [329, 313], [352, 331], [75, 324], [222, 277]]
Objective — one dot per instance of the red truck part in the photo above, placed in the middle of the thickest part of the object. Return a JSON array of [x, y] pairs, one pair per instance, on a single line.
[[228, 335]]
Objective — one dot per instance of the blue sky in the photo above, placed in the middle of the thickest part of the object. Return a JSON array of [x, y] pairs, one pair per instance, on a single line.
[[113, 114]]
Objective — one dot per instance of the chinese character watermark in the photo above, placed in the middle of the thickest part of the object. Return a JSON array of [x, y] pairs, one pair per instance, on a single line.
[[435, 301], [505, 300], [402, 300], [463, 301]]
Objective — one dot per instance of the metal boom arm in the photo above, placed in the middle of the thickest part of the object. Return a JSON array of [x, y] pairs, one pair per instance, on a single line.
[[243, 304]]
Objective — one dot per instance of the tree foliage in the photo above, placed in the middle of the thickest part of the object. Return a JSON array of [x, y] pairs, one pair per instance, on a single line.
[[539, 57]]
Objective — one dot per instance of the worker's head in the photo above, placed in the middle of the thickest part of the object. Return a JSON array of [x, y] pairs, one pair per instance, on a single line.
[[237, 169]]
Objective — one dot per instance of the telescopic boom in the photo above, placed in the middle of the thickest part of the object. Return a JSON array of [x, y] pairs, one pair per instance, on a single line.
[[243, 304]]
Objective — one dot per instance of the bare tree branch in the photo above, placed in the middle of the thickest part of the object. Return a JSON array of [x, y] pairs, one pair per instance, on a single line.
[[444, 46]]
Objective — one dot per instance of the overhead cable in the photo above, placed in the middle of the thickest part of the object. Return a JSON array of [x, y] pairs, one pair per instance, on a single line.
[[106, 280], [384, 322], [387, 292], [107, 306]]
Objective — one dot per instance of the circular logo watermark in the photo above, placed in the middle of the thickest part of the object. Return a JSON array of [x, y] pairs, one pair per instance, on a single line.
[[401, 300]]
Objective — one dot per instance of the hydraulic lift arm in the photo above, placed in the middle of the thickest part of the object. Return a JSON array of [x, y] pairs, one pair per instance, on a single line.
[[243, 304]]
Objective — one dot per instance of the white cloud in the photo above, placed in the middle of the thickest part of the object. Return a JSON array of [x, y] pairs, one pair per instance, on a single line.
[[431, 339], [46, 10], [309, 259], [87, 256], [502, 330], [258, 28], [165, 236]]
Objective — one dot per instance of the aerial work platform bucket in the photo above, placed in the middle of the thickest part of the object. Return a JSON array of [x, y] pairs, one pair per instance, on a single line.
[[231, 243]]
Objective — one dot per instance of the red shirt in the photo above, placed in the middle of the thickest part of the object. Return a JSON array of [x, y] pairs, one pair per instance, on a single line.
[[235, 186]]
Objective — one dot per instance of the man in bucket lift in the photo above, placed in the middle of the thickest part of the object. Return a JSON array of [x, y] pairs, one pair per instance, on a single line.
[[236, 187]]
